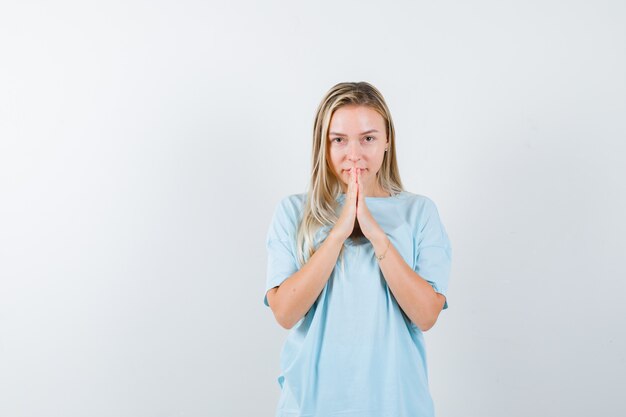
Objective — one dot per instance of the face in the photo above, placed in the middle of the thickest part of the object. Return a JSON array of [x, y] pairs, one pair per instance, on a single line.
[[357, 139]]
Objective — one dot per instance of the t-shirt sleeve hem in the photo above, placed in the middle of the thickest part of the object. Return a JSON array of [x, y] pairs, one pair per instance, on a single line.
[[442, 292]]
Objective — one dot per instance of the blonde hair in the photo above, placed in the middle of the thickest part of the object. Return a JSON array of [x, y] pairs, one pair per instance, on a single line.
[[320, 207]]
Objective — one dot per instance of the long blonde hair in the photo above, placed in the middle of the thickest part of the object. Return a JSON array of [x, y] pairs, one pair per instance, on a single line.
[[320, 207]]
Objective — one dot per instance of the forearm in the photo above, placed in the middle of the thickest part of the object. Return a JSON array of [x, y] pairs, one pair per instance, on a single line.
[[414, 295], [295, 296]]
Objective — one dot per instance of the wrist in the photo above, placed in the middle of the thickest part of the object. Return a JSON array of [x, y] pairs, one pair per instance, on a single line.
[[334, 237], [380, 240], [381, 244]]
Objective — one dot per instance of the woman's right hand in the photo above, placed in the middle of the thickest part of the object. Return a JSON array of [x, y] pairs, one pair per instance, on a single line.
[[345, 224]]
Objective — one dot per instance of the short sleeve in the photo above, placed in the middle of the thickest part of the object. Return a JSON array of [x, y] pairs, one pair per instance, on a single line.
[[280, 245], [433, 254]]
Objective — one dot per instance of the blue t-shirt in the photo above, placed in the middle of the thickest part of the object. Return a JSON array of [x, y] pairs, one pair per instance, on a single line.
[[355, 353]]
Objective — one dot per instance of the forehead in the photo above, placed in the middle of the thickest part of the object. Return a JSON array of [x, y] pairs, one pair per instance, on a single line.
[[357, 119]]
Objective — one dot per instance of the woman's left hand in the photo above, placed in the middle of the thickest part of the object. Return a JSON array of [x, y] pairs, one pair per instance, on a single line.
[[369, 227]]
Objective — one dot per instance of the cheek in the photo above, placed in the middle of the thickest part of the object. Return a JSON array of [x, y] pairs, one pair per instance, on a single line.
[[336, 167]]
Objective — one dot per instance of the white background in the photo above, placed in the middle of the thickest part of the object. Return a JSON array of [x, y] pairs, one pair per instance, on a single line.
[[144, 146]]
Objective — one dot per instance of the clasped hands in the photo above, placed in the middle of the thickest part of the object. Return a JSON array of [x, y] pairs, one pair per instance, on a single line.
[[355, 210]]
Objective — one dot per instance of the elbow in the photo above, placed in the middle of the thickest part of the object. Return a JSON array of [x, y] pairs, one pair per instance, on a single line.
[[279, 315], [426, 327], [286, 321], [285, 324], [427, 324], [280, 318]]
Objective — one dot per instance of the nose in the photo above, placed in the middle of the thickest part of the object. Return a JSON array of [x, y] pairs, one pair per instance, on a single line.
[[353, 151]]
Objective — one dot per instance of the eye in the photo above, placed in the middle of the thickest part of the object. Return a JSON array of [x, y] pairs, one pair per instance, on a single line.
[[370, 137], [333, 139]]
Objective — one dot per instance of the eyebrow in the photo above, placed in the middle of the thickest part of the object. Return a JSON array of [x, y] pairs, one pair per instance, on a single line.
[[343, 134]]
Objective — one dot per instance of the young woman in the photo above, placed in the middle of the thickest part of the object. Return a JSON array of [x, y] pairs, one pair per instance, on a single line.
[[357, 269]]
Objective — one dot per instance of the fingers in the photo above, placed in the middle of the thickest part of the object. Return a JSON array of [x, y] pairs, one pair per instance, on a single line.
[[353, 182], [350, 184], [359, 186]]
